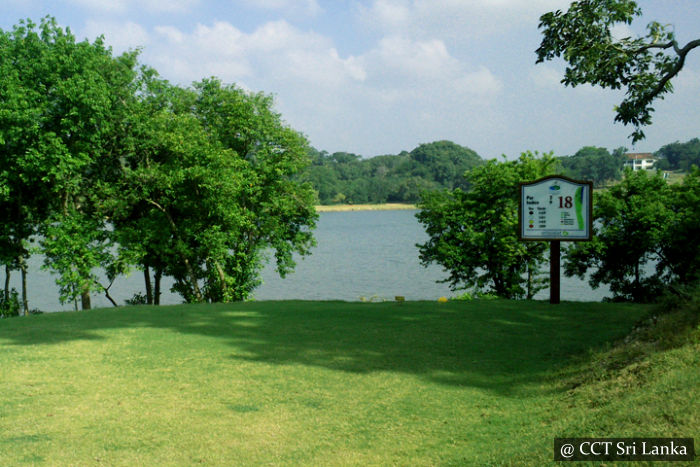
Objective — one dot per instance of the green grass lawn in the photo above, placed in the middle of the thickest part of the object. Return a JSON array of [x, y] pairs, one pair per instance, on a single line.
[[331, 383]]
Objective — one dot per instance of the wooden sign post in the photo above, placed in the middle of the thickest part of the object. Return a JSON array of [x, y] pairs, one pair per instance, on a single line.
[[555, 209]]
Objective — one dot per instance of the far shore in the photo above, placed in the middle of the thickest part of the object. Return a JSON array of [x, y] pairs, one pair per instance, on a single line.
[[365, 207]]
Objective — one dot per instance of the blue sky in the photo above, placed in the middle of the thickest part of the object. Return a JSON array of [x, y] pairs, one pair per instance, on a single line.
[[381, 76]]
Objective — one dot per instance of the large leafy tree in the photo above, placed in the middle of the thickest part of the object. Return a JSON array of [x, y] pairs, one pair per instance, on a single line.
[[209, 190], [446, 162], [632, 220], [643, 66], [61, 123], [679, 251], [474, 234], [198, 184], [276, 212]]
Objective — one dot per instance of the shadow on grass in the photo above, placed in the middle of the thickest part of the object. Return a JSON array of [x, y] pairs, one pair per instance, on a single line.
[[503, 346]]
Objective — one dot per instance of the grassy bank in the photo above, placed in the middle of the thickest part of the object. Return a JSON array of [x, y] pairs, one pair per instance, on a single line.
[[333, 383], [364, 207]]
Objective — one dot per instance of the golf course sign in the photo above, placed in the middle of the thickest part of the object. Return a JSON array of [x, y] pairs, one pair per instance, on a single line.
[[556, 208]]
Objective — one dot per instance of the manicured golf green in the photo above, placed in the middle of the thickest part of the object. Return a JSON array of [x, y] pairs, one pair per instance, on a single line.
[[327, 383]]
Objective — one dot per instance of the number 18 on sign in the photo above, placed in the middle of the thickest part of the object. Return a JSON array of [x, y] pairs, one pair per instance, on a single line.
[[555, 209]]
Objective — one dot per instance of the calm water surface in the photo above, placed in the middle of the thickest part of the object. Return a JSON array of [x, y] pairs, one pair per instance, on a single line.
[[374, 254], [362, 254]]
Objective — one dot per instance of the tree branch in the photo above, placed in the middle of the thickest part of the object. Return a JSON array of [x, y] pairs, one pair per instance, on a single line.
[[188, 266], [639, 50], [682, 53]]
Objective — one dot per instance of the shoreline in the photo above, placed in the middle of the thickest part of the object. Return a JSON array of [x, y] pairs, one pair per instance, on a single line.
[[365, 207]]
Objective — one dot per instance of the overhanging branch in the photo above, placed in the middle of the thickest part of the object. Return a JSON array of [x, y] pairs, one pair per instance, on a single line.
[[682, 53]]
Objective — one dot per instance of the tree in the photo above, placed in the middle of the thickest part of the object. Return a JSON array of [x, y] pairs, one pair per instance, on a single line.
[[346, 177], [209, 190], [631, 220], [277, 211], [595, 164], [153, 203], [446, 162], [64, 104], [474, 234], [643, 66], [679, 251], [679, 156]]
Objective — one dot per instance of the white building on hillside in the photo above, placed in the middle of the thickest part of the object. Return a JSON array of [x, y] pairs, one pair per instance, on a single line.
[[640, 160]]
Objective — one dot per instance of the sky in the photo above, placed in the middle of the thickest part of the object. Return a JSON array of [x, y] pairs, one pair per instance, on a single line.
[[376, 77]]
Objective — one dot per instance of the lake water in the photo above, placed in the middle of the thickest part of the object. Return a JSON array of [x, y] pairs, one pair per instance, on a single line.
[[367, 255], [374, 254]]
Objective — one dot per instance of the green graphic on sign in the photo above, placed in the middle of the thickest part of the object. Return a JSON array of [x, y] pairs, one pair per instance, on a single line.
[[579, 207]]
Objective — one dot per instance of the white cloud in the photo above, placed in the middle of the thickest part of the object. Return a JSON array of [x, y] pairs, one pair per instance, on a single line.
[[410, 87], [121, 36], [407, 69], [480, 82], [453, 19], [123, 6], [306, 7], [391, 15], [545, 76], [171, 34], [414, 58], [221, 39], [275, 55], [108, 6], [167, 6]]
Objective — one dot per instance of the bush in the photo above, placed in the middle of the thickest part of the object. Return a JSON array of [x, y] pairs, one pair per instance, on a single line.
[[137, 299], [10, 306]]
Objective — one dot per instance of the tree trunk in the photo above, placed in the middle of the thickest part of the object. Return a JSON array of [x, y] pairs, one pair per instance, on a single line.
[[23, 269], [156, 294], [149, 288], [8, 273], [109, 297], [85, 299], [179, 242], [222, 278]]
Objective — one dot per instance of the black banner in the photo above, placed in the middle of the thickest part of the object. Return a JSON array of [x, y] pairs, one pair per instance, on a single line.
[[624, 449]]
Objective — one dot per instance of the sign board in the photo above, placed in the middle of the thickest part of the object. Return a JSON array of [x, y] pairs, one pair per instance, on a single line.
[[556, 208]]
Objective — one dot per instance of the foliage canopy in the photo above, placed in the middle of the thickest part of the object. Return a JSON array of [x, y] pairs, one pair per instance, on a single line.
[[343, 177], [643, 66], [474, 234], [645, 237], [115, 167]]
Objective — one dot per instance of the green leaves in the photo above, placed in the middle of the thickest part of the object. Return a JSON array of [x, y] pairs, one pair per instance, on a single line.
[[211, 188], [114, 166], [62, 108], [595, 164], [642, 237], [474, 234], [643, 66]]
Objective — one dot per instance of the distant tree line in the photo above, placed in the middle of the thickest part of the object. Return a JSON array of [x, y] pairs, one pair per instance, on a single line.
[[344, 177], [595, 164], [679, 156]]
